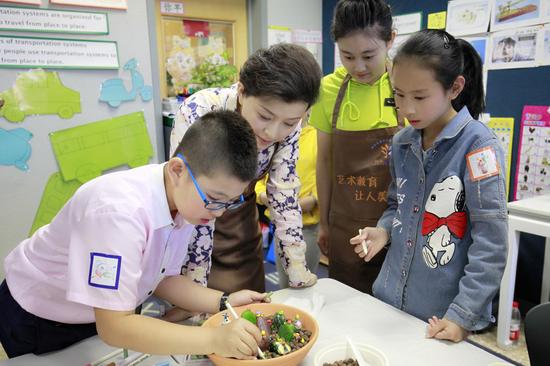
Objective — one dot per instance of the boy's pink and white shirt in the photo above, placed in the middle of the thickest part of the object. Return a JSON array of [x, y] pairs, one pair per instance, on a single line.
[[109, 247]]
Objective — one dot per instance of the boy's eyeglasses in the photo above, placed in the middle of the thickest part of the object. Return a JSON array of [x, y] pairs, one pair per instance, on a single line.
[[211, 205]]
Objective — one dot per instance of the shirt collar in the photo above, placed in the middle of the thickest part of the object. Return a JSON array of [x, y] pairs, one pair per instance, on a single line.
[[455, 125], [161, 212]]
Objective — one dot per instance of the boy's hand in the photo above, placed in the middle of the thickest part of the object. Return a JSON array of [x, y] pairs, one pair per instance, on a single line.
[[375, 239], [245, 297], [237, 339], [445, 329]]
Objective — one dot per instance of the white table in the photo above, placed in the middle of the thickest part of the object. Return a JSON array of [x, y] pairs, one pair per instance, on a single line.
[[346, 311], [532, 216]]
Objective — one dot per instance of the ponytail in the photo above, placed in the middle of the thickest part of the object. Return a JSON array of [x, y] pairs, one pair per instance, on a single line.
[[449, 58], [472, 95]]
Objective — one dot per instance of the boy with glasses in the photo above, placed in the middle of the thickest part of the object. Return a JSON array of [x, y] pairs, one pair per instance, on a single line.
[[122, 237]]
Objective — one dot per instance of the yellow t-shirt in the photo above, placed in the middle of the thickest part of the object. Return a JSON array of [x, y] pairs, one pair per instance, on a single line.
[[370, 105], [306, 169]]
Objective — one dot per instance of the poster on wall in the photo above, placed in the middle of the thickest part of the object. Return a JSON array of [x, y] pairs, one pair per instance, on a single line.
[[407, 23], [277, 34], [514, 48], [34, 52], [312, 40], [437, 20], [468, 17], [533, 162], [397, 42], [510, 14], [52, 21], [504, 130], [110, 4]]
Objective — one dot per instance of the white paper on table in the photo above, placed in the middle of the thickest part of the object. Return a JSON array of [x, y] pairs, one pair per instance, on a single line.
[[312, 306]]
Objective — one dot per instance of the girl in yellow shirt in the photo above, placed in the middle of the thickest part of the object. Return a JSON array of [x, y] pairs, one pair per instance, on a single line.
[[356, 119]]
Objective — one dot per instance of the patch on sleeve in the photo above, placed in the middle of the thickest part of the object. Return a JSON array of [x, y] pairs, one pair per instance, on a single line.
[[104, 270], [482, 163]]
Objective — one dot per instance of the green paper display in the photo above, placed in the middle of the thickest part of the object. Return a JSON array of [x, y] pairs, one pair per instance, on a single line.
[[39, 92], [56, 193], [84, 152]]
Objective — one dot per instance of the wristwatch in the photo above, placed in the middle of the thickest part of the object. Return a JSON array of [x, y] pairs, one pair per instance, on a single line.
[[223, 300]]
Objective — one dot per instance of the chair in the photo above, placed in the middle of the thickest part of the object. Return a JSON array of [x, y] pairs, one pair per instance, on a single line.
[[537, 334]]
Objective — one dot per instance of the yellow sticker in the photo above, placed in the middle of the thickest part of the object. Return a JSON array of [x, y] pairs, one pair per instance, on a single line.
[[437, 20]]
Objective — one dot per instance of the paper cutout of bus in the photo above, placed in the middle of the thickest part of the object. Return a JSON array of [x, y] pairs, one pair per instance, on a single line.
[[84, 152]]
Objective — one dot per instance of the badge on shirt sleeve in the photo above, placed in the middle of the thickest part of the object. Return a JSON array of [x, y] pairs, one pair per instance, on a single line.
[[389, 102], [482, 163], [104, 270]]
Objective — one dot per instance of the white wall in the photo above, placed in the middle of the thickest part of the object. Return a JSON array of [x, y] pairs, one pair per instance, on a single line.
[[297, 14], [20, 192], [303, 14]]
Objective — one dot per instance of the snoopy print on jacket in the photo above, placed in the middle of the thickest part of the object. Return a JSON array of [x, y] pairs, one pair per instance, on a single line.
[[444, 219]]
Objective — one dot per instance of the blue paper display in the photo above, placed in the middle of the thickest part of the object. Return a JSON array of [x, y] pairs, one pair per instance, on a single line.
[[114, 92], [15, 148]]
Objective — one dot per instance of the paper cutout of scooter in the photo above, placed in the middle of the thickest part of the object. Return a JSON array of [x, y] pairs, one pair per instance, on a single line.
[[39, 92], [113, 91], [15, 148], [84, 152], [56, 193]]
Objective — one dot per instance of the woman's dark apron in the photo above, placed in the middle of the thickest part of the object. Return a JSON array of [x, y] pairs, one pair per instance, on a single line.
[[360, 182], [237, 256]]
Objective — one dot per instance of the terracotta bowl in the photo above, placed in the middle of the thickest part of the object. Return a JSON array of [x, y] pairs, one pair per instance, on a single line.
[[290, 359]]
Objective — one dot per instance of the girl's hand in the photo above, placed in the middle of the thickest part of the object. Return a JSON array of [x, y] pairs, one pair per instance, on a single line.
[[245, 297], [237, 339], [374, 238], [445, 329], [322, 239]]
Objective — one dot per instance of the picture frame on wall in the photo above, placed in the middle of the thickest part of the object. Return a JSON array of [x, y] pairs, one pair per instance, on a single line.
[[107, 4], [466, 17], [511, 14], [407, 23], [514, 48]]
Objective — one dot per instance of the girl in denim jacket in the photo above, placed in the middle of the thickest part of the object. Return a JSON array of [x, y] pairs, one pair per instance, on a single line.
[[446, 216]]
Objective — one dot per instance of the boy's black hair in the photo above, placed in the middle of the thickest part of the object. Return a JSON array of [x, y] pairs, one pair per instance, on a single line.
[[286, 71], [448, 58], [352, 16], [220, 141]]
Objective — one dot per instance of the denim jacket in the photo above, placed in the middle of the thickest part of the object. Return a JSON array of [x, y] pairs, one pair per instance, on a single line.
[[447, 220]]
